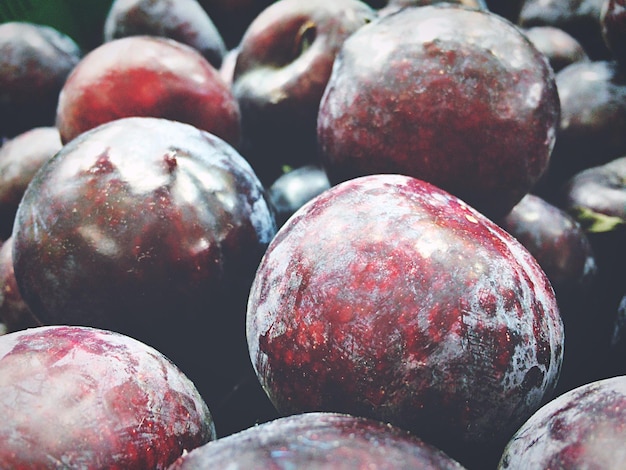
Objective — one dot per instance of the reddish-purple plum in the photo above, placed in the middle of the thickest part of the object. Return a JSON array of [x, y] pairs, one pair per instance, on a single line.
[[318, 441], [152, 228], [35, 60], [283, 65], [583, 428], [76, 397], [389, 298], [182, 20], [147, 76], [395, 5], [20, 158], [295, 188], [454, 96]]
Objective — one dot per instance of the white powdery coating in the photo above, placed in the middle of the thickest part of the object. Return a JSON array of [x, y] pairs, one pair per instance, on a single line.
[[269, 308], [94, 389], [590, 418]]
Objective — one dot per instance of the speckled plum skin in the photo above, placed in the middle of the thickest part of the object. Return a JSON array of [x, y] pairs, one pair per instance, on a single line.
[[387, 297], [318, 441], [75, 397], [451, 95], [151, 228], [146, 76], [583, 428]]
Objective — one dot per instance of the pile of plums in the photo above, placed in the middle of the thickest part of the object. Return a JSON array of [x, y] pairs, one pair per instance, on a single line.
[[325, 234]]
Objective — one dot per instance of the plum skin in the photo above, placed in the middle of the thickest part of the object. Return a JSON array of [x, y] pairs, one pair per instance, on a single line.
[[316, 441], [88, 398], [389, 298], [146, 76], [469, 104], [583, 428], [152, 228]]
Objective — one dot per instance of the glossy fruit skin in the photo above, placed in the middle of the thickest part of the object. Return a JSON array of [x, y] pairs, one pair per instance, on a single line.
[[35, 60], [152, 228], [389, 298], [184, 21], [20, 158], [581, 19], [558, 243], [283, 65], [76, 397], [453, 106], [593, 118], [583, 428], [560, 48], [151, 77], [318, 441], [295, 188], [613, 22]]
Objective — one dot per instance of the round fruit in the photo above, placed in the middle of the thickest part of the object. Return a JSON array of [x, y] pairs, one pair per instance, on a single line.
[[583, 428], [389, 298], [454, 96], [75, 397], [318, 441], [151, 228], [146, 76]]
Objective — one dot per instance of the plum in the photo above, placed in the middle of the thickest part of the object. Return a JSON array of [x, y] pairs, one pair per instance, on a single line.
[[14, 313], [557, 241], [152, 228], [20, 158], [561, 48], [593, 120], [35, 61], [284, 62], [318, 441], [389, 298], [182, 20], [78, 397], [395, 5], [146, 76], [293, 189], [455, 96], [583, 428]]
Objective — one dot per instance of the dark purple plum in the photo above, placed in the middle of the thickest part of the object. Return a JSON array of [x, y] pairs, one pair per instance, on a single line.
[[182, 20], [613, 22], [583, 428], [563, 249], [593, 120], [152, 228], [35, 60], [579, 18], [389, 298], [455, 96], [15, 315], [147, 76], [76, 397], [560, 48], [20, 158], [283, 65], [317, 441], [558, 243], [295, 188]]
